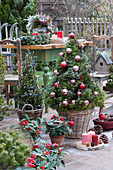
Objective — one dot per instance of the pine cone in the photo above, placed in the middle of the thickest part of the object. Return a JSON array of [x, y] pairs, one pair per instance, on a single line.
[[98, 129], [104, 138]]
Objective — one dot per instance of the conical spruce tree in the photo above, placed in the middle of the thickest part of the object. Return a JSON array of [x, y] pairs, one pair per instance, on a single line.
[[73, 87], [29, 91]]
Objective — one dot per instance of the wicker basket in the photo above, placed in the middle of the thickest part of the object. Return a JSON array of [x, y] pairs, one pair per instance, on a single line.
[[31, 113], [81, 119]]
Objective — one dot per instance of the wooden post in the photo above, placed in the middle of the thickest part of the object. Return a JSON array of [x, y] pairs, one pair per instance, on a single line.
[[94, 37], [112, 46]]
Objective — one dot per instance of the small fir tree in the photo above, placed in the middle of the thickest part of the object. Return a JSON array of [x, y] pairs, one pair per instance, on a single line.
[[29, 91], [72, 87]]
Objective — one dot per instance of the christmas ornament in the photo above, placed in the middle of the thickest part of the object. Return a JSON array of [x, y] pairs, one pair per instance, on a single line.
[[88, 144], [82, 86], [98, 129], [56, 85], [96, 93], [79, 93], [52, 94], [100, 141], [81, 46], [72, 81], [86, 102], [91, 75], [92, 144], [73, 102], [68, 50], [55, 72], [72, 35], [63, 64], [64, 91], [104, 138], [65, 102], [102, 117], [71, 123], [61, 54], [75, 68], [77, 58]]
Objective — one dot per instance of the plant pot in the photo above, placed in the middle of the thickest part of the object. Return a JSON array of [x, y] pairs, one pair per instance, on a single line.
[[81, 119], [105, 125], [57, 139], [31, 113]]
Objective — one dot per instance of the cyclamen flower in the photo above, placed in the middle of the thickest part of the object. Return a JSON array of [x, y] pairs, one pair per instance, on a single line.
[[47, 152], [48, 145], [24, 122], [42, 167], [31, 165], [37, 131], [55, 145]]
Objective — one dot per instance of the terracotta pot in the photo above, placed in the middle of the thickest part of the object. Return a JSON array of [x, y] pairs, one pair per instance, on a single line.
[[57, 139]]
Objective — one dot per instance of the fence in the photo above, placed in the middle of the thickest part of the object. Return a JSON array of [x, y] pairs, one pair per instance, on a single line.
[[86, 28]]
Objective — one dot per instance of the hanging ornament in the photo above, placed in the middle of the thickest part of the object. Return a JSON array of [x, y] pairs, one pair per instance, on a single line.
[[77, 58], [81, 46], [71, 123], [91, 75], [79, 93], [86, 102], [72, 35], [68, 50], [63, 64], [75, 68], [82, 86], [72, 81], [55, 72], [52, 94], [56, 85], [102, 117], [61, 54], [64, 91], [73, 102], [96, 93], [65, 102]]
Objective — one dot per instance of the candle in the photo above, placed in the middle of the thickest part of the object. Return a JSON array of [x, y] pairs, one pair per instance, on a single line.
[[91, 133], [85, 138], [95, 139], [60, 34]]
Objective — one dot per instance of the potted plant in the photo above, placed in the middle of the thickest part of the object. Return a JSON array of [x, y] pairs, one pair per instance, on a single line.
[[57, 128], [29, 95], [73, 91], [39, 23]]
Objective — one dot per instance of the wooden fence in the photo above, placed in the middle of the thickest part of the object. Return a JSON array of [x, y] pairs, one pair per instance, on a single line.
[[86, 28]]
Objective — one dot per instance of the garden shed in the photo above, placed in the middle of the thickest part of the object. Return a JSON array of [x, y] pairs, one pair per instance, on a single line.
[[103, 63]]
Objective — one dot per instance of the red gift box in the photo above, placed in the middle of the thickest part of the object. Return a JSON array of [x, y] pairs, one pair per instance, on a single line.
[[60, 34]]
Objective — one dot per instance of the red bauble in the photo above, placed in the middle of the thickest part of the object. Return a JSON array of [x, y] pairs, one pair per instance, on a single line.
[[77, 58], [63, 64], [72, 81], [96, 93], [71, 123], [56, 85], [86, 102], [64, 91], [75, 68], [102, 117], [61, 54], [52, 94], [82, 86], [65, 102], [73, 102], [55, 72], [79, 93], [72, 35], [68, 50]]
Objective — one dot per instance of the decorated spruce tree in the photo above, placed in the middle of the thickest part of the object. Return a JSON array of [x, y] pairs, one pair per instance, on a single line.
[[73, 91], [73, 86], [29, 91]]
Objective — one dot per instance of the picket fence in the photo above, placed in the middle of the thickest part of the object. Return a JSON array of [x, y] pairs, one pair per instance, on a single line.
[[86, 27]]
